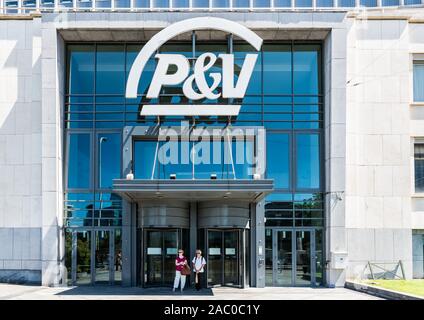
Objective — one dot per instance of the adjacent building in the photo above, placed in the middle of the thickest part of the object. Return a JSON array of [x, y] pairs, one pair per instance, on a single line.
[[284, 139]]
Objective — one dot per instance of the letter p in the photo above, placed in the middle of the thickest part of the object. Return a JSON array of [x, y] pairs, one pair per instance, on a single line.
[[161, 76]]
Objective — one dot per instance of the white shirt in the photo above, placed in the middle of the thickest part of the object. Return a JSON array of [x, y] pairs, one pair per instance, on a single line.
[[199, 262]]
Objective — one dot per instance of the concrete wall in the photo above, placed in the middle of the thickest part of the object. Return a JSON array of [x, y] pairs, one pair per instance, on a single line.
[[378, 179], [20, 151]]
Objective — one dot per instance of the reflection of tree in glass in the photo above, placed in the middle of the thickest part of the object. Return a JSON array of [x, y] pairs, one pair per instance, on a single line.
[[83, 256]]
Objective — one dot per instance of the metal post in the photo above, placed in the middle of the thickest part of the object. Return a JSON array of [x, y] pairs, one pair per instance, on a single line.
[[372, 273], [401, 269]]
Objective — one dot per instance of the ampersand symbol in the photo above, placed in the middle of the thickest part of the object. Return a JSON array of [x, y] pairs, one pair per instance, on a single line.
[[199, 76]]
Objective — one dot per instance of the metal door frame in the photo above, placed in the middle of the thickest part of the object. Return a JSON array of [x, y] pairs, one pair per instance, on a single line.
[[294, 255], [74, 249], [144, 252], [240, 256]]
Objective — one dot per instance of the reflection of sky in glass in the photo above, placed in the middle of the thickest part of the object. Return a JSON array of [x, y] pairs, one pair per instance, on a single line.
[[308, 162], [277, 146], [109, 148], [209, 158]]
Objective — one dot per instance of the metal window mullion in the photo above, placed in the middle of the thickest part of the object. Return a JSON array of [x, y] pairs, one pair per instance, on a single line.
[[112, 5], [56, 5], [132, 5], [19, 6], [93, 5], [93, 253], [74, 4], [2, 7]]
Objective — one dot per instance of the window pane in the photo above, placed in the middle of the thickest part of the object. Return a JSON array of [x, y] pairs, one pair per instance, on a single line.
[[144, 155], [324, 3], [387, 3], [109, 158], [308, 161], [347, 3], [261, 3], [103, 3], [220, 3], [419, 81], [180, 3], [81, 69], [110, 72], [305, 65], [278, 153], [241, 3], [79, 161], [409, 2], [277, 70], [282, 3], [200, 3], [419, 167], [303, 3], [368, 3]]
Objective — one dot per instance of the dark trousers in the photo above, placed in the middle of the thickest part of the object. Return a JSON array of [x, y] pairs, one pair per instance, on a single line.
[[199, 280]]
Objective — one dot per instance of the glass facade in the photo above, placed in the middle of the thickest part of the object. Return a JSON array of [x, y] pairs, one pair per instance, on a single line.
[[14, 6], [284, 96]]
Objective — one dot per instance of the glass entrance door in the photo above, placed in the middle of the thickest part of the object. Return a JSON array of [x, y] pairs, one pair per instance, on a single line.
[[90, 256], [224, 258], [293, 257], [160, 250]]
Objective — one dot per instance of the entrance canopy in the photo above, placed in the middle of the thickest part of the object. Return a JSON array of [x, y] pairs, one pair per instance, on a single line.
[[196, 190]]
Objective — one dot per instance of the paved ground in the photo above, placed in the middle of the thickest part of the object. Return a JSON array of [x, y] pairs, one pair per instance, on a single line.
[[13, 292]]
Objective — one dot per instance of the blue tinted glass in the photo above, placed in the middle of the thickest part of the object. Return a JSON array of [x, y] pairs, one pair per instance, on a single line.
[[79, 161], [277, 70], [148, 70], [347, 3], [84, 3], [122, 3], [109, 158], [103, 3], [305, 73], [368, 3], [277, 159], [261, 3], [390, 3], [282, 3], [418, 81], [110, 69], [308, 161], [174, 158], [409, 2], [303, 3], [255, 82], [324, 3], [200, 3], [220, 3], [142, 3], [81, 69], [143, 159], [180, 3], [241, 3], [160, 3]]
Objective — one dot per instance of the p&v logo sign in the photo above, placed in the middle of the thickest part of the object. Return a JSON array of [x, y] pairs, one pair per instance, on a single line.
[[230, 88]]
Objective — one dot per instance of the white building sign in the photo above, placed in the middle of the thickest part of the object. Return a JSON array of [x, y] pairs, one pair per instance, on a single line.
[[230, 87]]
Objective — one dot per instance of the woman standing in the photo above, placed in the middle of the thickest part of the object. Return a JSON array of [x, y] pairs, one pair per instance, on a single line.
[[198, 267], [179, 265]]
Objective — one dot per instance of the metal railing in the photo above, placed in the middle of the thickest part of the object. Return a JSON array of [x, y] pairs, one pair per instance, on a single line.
[[28, 6], [382, 271]]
